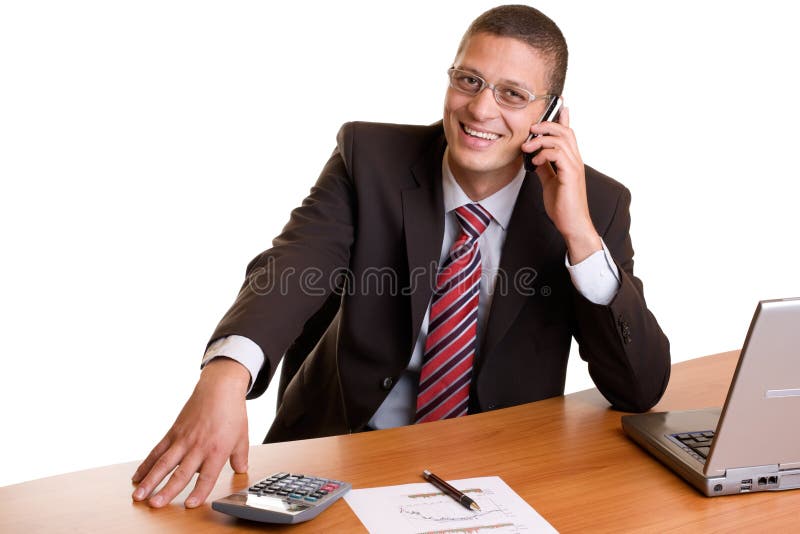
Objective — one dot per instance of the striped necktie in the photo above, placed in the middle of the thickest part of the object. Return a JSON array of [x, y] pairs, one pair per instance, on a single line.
[[453, 324]]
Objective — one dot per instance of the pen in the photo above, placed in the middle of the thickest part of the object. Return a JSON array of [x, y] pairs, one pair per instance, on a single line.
[[465, 501]]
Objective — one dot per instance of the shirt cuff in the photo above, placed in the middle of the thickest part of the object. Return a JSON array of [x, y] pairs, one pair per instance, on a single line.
[[240, 349], [596, 277]]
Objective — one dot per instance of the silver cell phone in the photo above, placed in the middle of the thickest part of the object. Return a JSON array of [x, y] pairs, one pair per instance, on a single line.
[[549, 115]]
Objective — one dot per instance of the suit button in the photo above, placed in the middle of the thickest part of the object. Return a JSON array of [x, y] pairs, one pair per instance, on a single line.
[[625, 329], [387, 383]]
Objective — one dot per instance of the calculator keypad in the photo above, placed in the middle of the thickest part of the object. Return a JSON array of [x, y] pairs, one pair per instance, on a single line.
[[295, 487]]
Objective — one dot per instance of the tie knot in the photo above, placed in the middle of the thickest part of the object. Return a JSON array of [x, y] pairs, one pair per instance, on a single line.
[[474, 219]]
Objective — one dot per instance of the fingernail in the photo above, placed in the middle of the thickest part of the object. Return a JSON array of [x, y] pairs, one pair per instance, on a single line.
[[138, 494], [191, 503], [157, 500]]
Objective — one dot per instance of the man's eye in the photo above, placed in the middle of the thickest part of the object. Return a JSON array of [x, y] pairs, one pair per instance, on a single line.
[[470, 80], [514, 95]]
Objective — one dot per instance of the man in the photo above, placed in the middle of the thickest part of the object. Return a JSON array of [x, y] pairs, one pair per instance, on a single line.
[[428, 275]]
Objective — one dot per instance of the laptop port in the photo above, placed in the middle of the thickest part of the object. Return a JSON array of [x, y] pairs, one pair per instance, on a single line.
[[745, 487], [747, 481], [773, 480], [762, 481]]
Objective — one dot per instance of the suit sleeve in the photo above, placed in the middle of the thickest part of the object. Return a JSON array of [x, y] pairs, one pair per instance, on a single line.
[[627, 353], [286, 285]]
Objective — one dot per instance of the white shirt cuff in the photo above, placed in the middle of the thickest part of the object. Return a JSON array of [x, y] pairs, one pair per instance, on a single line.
[[238, 348], [596, 277]]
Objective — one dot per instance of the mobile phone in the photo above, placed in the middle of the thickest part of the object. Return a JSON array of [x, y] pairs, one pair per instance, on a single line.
[[550, 115]]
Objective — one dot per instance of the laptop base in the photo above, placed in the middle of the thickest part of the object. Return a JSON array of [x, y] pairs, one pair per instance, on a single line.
[[653, 432]]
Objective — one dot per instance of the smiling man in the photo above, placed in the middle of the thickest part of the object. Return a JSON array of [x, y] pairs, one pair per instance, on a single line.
[[428, 275]]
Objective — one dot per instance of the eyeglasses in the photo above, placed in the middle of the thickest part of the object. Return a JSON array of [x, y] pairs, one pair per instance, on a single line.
[[510, 96]]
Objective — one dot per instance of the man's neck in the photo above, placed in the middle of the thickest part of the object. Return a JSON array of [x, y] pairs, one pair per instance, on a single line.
[[478, 186]]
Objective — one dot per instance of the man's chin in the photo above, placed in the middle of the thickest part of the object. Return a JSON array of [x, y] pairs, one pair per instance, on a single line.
[[485, 164]]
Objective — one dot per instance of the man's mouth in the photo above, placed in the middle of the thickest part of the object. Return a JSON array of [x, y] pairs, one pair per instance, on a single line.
[[479, 134]]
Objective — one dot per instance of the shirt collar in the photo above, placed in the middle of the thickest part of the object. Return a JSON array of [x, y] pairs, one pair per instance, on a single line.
[[500, 205]]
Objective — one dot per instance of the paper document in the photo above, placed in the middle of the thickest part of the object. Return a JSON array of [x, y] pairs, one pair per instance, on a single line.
[[423, 509]]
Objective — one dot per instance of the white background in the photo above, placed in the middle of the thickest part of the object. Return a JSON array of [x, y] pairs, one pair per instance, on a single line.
[[149, 149]]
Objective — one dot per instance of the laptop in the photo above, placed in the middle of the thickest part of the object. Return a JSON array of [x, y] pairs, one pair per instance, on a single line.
[[753, 442]]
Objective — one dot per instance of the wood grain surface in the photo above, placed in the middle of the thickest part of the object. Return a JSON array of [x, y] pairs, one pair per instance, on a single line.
[[567, 457]]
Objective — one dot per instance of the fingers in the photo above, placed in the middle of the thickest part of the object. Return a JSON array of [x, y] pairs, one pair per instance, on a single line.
[[180, 478], [558, 150], [552, 129], [163, 465], [148, 462], [239, 455], [206, 479]]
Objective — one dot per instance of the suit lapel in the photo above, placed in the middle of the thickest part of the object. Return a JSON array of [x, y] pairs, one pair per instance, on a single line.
[[531, 238], [423, 223]]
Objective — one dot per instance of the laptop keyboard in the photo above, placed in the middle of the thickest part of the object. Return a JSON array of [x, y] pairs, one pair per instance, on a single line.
[[698, 444]]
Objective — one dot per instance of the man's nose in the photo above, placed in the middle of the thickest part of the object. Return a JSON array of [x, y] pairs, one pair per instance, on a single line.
[[483, 105]]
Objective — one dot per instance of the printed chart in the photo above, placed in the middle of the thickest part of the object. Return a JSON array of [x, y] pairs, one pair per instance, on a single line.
[[423, 509]]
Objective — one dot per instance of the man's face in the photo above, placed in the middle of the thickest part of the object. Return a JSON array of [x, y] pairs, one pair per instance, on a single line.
[[491, 149]]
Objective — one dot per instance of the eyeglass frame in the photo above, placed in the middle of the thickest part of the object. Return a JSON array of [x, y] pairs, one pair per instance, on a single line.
[[484, 84]]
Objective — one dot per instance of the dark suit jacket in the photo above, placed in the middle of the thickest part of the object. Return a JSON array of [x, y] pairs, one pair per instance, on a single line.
[[344, 289]]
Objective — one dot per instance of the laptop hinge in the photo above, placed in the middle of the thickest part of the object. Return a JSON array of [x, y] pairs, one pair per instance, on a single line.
[[788, 465]]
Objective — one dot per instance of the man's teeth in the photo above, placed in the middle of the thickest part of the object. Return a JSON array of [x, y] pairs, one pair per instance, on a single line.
[[482, 135]]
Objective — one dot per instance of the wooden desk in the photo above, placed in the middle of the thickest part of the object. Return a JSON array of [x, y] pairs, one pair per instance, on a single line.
[[567, 457]]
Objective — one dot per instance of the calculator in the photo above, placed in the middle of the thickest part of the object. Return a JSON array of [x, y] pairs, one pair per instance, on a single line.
[[283, 498]]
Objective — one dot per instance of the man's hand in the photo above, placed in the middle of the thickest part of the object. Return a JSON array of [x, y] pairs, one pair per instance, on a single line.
[[211, 427], [564, 189]]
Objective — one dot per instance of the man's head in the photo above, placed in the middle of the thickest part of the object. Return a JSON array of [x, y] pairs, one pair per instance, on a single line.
[[516, 47], [532, 27]]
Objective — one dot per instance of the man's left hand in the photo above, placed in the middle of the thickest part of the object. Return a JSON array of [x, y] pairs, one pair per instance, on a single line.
[[560, 169]]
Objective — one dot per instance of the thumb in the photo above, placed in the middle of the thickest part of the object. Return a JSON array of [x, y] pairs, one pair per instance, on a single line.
[[239, 455]]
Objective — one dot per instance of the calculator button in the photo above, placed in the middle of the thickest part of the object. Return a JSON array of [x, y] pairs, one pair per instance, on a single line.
[[311, 499]]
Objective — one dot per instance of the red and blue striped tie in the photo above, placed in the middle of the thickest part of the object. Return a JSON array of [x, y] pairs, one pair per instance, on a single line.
[[453, 324]]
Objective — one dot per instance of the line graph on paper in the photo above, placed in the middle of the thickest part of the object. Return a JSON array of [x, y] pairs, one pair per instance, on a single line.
[[423, 510]]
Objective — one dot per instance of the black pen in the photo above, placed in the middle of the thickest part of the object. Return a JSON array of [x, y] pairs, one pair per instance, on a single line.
[[465, 501]]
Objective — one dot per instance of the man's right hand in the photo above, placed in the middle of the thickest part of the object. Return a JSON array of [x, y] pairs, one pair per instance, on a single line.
[[211, 428]]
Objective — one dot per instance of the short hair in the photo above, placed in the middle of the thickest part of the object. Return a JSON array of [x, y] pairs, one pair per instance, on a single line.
[[532, 27]]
